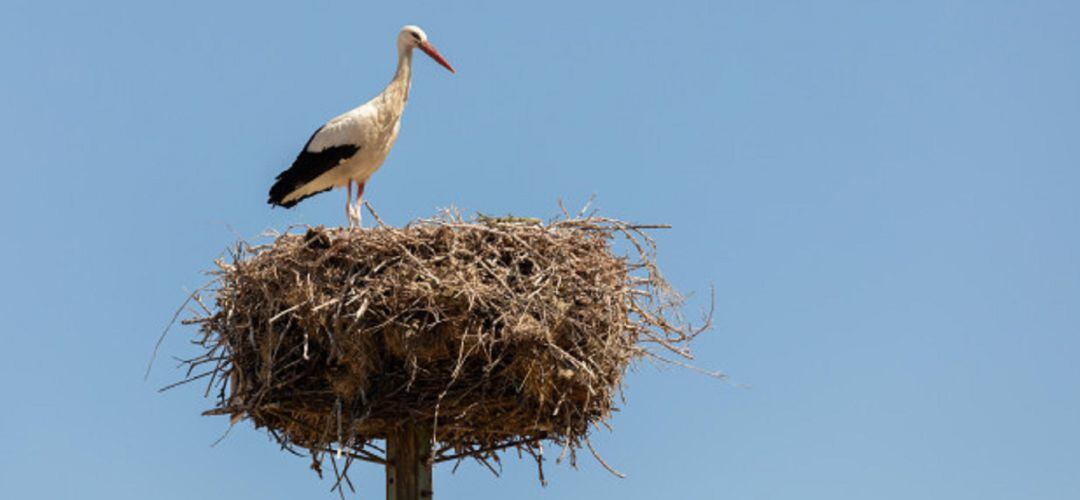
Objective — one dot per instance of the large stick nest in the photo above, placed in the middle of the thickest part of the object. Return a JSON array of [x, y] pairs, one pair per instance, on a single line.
[[496, 332]]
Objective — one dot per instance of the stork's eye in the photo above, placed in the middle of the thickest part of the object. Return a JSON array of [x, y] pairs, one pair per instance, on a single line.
[[416, 36]]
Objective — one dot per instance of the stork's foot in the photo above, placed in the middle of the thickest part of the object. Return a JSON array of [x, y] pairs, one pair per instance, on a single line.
[[354, 215]]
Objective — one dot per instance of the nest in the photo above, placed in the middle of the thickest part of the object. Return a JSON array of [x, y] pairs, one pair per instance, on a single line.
[[496, 333]]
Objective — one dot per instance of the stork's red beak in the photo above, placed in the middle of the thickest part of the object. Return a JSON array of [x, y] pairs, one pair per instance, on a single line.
[[430, 50]]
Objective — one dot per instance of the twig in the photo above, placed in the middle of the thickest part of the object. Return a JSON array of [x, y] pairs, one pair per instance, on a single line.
[[601, 460], [157, 345]]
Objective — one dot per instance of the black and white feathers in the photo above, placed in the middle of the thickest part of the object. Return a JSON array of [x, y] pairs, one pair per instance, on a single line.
[[296, 183]]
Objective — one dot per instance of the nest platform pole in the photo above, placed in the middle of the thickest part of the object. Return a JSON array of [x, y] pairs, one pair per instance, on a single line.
[[408, 468]]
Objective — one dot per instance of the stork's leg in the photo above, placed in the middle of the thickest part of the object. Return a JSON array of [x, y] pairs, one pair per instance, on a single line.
[[349, 213]]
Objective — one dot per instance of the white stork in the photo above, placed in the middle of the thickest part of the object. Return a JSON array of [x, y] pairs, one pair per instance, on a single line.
[[353, 145]]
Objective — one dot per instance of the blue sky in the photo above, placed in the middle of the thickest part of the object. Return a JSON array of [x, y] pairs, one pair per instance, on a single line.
[[884, 195]]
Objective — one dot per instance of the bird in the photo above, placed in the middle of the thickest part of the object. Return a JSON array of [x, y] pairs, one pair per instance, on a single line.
[[350, 147]]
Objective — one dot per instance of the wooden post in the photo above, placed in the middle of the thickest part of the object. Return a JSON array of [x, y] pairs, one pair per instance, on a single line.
[[408, 468]]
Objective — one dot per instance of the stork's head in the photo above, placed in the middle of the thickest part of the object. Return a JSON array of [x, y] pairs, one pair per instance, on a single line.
[[412, 37]]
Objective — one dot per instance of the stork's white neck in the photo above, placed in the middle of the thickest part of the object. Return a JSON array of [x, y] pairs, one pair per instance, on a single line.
[[393, 97], [403, 76]]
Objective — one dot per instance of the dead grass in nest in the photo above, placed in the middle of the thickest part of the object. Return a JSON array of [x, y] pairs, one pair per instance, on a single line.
[[497, 333]]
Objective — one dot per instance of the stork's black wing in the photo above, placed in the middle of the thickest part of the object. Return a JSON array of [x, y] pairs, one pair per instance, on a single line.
[[308, 167]]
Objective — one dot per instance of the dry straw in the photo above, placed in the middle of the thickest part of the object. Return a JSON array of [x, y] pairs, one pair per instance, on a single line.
[[495, 333]]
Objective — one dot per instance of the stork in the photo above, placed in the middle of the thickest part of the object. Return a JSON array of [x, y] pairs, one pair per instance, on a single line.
[[352, 146]]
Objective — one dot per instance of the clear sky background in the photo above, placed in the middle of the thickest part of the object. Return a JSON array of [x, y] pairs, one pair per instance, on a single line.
[[884, 194]]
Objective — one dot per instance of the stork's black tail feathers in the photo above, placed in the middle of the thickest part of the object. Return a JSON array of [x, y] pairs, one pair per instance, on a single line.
[[307, 167], [284, 185]]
